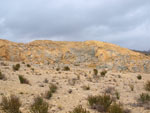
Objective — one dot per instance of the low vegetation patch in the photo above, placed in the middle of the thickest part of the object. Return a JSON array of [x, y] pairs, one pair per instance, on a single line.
[[86, 87], [103, 73], [147, 86], [79, 109], [53, 88], [23, 80], [49, 93], [16, 67], [101, 102], [57, 69], [139, 77], [144, 98], [39, 106], [117, 94], [11, 104], [131, 87], [2, 76], [28, 65], [66, 68], [116, 108], [45, 80], [95, 71]]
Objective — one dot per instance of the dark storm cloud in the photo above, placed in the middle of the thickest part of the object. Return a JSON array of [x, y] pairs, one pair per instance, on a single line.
[[123, 22]]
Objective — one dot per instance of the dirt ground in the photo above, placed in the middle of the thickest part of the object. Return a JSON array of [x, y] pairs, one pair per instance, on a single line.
[[70, 92]]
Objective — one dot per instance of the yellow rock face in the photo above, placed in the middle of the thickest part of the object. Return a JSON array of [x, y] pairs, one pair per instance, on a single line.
[[89, 53]]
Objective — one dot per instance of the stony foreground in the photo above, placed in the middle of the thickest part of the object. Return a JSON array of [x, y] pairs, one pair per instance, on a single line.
[[74, 86]]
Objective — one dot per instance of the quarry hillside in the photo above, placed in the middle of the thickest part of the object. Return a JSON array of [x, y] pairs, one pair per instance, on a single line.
[[94, 54]]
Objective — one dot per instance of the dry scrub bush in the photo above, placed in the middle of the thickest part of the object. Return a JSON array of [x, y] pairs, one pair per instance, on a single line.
[[79, 109], [39, 106], [11, 104]]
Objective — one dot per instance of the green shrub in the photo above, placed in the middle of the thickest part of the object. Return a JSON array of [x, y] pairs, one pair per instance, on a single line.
[[2, 76], [57, 69], [86, 87], [131, 87], [48, 94], [101, 102], [95, 71], [39, 106], [103, 73], [16, 67], [79, 109], [45, 80], [11, 104], [23, 80], [144, 98], [117, 94], [139, 77], [116, 108], [28, 65], [53, 88], [66, 68], [147, 86]]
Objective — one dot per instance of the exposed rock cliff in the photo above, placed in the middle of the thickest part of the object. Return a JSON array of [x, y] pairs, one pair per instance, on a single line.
[[89, 53]]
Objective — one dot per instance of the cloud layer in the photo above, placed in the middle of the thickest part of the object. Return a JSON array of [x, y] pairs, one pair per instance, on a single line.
[[122, 22]]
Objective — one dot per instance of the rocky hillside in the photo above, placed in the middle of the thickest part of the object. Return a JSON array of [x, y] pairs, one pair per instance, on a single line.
[[92, 54]]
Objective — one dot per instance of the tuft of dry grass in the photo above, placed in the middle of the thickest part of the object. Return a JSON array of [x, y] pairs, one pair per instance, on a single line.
[[100, 102], [39, 106], [79, 109], [23, 80], [16, 67], [2, 76], [147, 86], [11, 104]]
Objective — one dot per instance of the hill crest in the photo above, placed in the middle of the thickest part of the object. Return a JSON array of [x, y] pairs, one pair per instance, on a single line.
[[93, 54]]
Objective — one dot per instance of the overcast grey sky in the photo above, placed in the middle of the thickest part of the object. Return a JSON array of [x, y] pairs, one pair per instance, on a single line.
[[122, 22]]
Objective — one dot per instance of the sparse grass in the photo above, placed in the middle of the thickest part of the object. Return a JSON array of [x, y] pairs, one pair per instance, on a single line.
[[45, 80], [117, 94], [86, 87], [23, 80], [66, 68], [57, 69], [116, 108], [28, 65], [16, 67], [95, 71], [32, 69], [48, 94], [147, 86], [144, 98], [131, 87], [53, 88], [79, 109], [109, 90], [101, 102], [72, 81], [39, 106], [2, 76], [139, 77], [103, 73], [11, 104]]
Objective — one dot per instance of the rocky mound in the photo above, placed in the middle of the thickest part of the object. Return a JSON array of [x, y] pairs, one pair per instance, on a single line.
[[93, 54]]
